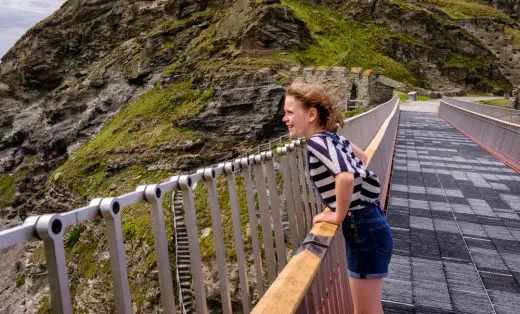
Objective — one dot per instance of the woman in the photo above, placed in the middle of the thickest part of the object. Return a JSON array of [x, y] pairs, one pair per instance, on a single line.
[[347, 187]]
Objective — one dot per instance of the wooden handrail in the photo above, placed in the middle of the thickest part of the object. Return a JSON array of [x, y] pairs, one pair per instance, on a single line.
[[374, 144], [287, 291]]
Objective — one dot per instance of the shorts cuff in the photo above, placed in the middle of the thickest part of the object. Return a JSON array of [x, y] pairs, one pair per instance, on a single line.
[[367, 276]]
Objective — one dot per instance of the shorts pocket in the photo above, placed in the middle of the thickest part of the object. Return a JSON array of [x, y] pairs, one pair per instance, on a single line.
[[382, 237]]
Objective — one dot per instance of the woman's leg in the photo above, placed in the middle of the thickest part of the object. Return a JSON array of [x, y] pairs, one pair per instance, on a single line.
[[366, 295]]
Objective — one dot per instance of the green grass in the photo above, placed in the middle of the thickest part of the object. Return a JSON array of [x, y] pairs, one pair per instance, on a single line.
[[345, 42], [354, 112], [496, 102], [7, 191], [204, 216], [7, 187], [20, 280], [143, 124], [45, 306], [467, 9], [513, 34]]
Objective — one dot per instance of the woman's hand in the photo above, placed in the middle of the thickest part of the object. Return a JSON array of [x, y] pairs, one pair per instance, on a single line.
[[329, 217]]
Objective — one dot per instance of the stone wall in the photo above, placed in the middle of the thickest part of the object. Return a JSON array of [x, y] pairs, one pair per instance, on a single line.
[[349, 84]]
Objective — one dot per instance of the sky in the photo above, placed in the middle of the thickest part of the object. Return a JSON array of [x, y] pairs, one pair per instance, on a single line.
[[17, 16]]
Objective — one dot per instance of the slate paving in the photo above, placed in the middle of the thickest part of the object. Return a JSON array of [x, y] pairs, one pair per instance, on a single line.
[[455, 216]]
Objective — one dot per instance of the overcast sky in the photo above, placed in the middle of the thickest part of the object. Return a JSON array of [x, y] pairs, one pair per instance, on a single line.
[[17, 16]]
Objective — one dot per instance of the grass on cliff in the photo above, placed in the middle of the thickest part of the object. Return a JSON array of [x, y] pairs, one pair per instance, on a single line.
[[342, 41], [464, 9], [514, 35], [143, 124], [496, 102], [7, 187]]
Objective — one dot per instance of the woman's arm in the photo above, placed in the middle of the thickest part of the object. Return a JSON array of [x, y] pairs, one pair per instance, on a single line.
[[359, 153], [344, 190]]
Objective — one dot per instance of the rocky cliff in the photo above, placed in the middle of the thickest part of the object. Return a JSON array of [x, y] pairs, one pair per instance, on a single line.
[[106, 94]]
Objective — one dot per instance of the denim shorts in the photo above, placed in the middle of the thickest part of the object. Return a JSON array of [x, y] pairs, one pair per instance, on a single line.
[[369, 243]]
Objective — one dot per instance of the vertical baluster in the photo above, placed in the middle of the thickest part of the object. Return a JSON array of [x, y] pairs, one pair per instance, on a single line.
[[229, 169], [253, 223], [218, 237], [335, 275], [326, 281], [332, 280], [310, 188], [265, 218], [111, 211], [153, 196], [50, 229], [274, 198], [185, 183], [315, 296], [289, 199], [296, 192], [303, 183], [345, 285]]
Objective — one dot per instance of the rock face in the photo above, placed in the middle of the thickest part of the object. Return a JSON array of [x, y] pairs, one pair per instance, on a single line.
[[511, 7]]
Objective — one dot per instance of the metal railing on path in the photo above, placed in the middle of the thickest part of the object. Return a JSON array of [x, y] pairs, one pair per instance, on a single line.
[[279, 208], [500, 137], [500, 113]]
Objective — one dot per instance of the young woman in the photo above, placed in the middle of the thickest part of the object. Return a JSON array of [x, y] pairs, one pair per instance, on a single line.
[[347, 187]]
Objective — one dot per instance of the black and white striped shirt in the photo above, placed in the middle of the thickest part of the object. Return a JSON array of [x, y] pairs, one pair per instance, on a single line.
[[330, 154]]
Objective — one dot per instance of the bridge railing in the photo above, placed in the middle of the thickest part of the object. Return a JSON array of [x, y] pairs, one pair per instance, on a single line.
[[500, 137], [278, 199], [500, 113], [315, 280]]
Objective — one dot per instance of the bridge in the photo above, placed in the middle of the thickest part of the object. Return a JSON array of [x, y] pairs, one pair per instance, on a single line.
[[451, 192]]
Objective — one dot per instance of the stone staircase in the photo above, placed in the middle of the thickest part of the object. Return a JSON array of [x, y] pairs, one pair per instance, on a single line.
[[182, 256]]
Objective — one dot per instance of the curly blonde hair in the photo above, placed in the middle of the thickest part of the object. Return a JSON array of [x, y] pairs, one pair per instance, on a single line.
[[316, 96]]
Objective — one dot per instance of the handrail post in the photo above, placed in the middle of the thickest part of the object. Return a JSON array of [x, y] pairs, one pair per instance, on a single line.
[[111, 211], [185, 184], [153, 196], [50, 229]]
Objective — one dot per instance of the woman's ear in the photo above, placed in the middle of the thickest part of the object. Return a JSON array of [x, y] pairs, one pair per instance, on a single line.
[[313, 114]]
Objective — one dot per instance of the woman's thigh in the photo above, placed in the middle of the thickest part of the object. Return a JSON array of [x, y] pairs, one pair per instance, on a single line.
[[366, 295]]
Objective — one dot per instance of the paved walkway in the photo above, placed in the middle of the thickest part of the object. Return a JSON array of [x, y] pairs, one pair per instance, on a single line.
[[455, 216]]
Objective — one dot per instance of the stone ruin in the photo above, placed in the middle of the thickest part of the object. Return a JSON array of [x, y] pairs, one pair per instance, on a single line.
[[352, 87]]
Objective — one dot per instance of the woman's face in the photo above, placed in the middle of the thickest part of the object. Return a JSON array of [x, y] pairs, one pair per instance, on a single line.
[[298, 119]]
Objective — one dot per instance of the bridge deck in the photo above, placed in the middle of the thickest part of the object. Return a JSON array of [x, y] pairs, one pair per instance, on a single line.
[[455, 213]]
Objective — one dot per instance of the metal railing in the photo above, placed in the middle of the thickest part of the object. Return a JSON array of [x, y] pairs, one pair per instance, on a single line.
[[505, 114], [499, 137], [268, 210], [315, 280]]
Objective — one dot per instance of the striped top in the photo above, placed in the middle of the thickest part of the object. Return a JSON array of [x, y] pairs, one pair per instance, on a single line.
[[330, 154]]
